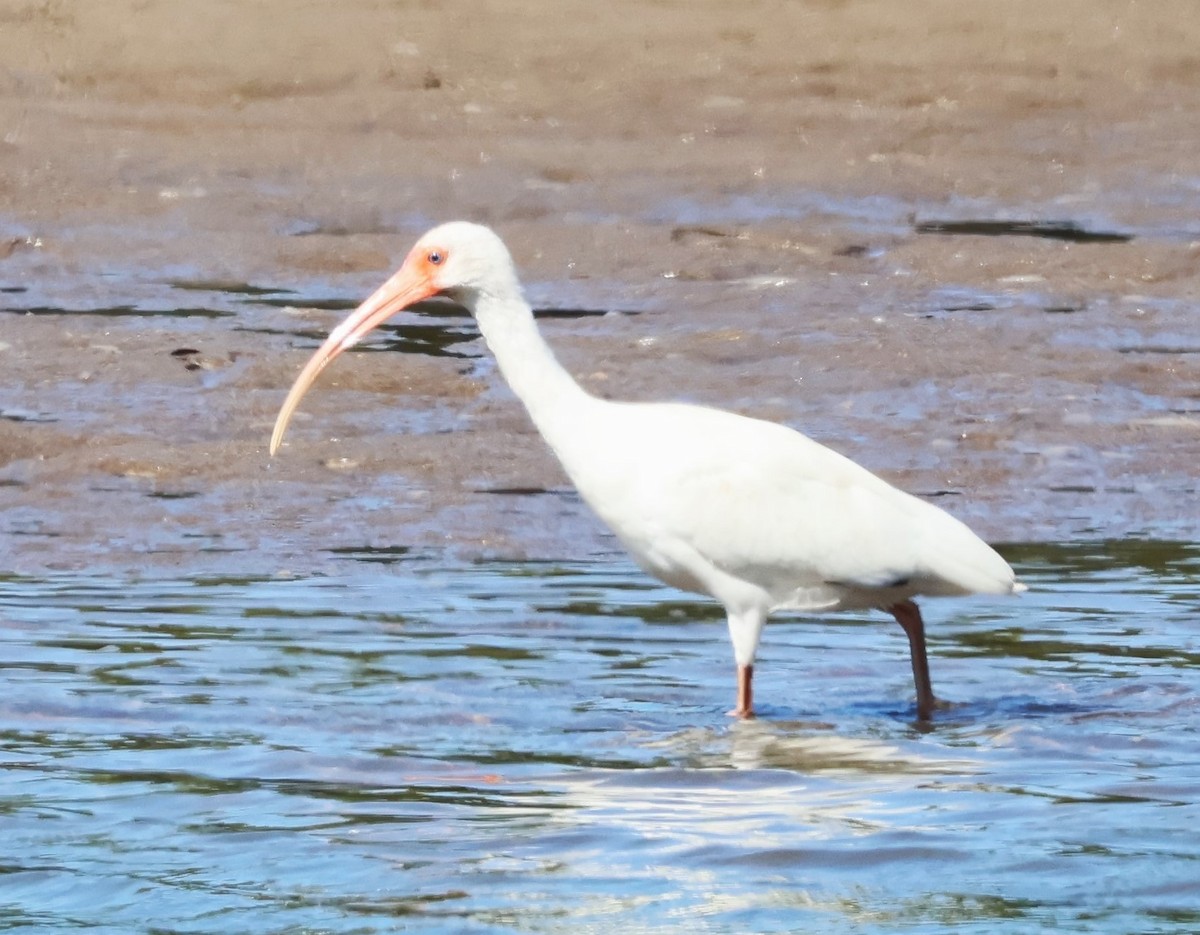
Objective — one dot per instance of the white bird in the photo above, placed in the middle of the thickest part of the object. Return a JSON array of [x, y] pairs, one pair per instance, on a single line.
[[752, 513]]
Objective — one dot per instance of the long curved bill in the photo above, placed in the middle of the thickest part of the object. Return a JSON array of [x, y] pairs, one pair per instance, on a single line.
[[399, 292]]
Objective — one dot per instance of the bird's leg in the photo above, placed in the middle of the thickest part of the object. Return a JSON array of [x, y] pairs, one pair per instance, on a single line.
[[745, 693], [909, 616]]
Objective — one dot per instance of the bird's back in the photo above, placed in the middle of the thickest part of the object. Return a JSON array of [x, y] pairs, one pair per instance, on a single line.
[[766, 506]]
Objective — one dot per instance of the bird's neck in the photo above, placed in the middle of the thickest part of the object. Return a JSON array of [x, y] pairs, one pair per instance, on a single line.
[[529, 366]]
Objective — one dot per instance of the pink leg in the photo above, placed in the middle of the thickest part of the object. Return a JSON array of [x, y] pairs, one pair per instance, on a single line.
[[745, 693], [909, 617]]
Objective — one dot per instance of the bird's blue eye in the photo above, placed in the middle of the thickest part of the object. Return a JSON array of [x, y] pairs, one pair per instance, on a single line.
[[436, 257]]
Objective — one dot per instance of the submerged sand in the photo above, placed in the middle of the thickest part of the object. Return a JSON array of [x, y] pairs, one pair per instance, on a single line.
[[191, 194]]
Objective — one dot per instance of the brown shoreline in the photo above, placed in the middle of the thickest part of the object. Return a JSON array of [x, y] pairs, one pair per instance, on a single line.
[[747, 179]]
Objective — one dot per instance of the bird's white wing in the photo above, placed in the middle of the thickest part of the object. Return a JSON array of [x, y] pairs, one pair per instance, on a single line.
[[768, 505]]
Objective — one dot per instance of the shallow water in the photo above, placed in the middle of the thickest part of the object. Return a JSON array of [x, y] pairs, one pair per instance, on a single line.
[[544, 748]]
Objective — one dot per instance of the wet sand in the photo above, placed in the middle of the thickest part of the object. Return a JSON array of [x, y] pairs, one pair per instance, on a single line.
[[191, 195]]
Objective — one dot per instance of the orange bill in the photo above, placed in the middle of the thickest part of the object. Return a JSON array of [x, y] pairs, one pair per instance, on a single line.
[[410, 284]]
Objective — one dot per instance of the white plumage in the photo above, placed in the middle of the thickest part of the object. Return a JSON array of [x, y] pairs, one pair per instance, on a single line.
[[752, 513]]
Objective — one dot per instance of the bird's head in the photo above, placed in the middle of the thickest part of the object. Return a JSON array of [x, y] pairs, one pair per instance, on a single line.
[[459, 260]]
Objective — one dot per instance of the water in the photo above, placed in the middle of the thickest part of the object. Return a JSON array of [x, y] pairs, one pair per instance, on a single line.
[[543, 748]]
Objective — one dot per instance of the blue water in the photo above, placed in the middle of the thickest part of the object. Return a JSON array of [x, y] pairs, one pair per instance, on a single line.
[[543, 748]]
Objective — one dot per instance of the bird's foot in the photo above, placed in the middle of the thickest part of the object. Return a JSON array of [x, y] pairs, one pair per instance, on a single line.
[[742, 714], [926, 710]]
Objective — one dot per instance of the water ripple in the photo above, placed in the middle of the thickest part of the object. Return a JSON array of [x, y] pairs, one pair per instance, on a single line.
[[543, 748]]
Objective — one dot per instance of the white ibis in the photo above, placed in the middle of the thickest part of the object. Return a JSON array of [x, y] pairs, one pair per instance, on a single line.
[[751, 513]]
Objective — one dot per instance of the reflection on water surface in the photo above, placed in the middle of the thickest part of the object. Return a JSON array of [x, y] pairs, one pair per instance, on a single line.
[[543, 748]]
